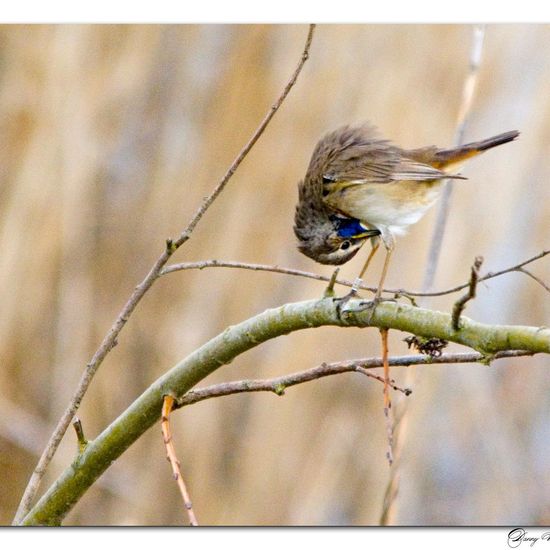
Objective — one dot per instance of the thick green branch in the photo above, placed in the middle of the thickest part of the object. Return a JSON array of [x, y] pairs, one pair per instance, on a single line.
[[235, 340]]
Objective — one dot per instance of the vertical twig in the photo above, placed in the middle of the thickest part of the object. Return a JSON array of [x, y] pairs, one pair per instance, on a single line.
[[81, 440], [460, 304], [389, 511], [110, 340], [329, 291], [167, 406], [387, 399], [461, 122]]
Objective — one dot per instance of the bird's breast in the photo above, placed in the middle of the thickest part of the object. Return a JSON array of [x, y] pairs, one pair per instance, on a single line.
[[396, 204]]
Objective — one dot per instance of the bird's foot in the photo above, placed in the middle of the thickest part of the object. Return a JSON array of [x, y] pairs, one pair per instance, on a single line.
[[341, 303], [344, 308], [373, 304]]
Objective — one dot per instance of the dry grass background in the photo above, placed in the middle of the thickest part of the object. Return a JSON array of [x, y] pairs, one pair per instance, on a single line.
[[111, 135]]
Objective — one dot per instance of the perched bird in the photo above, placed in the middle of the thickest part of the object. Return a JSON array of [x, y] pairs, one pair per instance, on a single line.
[[359, 187]]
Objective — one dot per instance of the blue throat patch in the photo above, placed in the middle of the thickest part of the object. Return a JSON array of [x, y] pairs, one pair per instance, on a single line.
[[352, 228]]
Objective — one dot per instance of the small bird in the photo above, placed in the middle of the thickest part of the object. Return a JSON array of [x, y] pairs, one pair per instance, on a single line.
[[361, 187]]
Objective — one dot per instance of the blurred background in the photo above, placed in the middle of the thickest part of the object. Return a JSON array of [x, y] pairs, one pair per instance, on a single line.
[[111, 136]]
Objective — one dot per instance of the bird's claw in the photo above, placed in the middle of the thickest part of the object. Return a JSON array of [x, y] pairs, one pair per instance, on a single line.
[[344, 308], [342, 302]]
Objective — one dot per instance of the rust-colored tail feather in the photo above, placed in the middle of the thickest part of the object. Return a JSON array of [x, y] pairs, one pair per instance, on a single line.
[[446, 157]]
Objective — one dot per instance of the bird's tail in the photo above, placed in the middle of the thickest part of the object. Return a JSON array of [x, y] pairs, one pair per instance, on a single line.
[[446, 158]]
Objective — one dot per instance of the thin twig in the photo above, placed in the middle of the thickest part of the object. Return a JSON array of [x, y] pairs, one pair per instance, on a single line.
[[387, 399], [184, 266], [110, 339], [24, 430], [535, 278], [81, 440], [460, 304], [329, 291], [246, 149], [490, 275], [167, 407], [391, 383], [279, 384], [461, 122]]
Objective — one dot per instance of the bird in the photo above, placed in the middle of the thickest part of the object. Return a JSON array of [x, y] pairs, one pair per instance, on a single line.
[[360, 187]]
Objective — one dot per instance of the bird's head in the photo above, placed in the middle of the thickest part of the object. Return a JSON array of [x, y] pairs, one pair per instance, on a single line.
[[326, 247], [327, 237]]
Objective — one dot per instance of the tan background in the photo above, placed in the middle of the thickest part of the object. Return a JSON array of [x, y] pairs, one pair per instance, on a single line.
[[111, 135]]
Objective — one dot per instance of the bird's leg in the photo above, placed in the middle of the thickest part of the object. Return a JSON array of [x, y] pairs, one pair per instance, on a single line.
[[389, 244], [389, 250], [357, 283]]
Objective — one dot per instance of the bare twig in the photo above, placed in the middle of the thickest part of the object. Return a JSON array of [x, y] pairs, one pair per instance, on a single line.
[[329, 291], [535, 278], [279, 384], [81, 440], [461, 121], [167, 406], [259, 267], [387, 400], [246, 149], [390, 382], [460, 304], [344, 282], [24, 429], [490, 275], [110, 339]]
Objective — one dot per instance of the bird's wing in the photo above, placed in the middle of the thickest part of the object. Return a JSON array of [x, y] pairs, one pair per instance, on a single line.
[[412, 170], [378, 164], [356, 155], [369, 161]]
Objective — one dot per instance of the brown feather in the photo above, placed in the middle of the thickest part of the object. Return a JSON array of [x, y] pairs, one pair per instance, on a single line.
[[445, 158]]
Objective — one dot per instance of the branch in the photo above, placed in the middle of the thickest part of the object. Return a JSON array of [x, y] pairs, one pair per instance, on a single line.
[[279, 385], [235, 340], [110, 339], [184, 266]]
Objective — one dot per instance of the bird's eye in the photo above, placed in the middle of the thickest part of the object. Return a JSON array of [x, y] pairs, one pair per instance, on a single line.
[[345, 245], [327, 179]]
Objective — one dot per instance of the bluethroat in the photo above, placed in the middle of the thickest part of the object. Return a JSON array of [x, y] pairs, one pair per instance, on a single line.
[[360, 187]]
